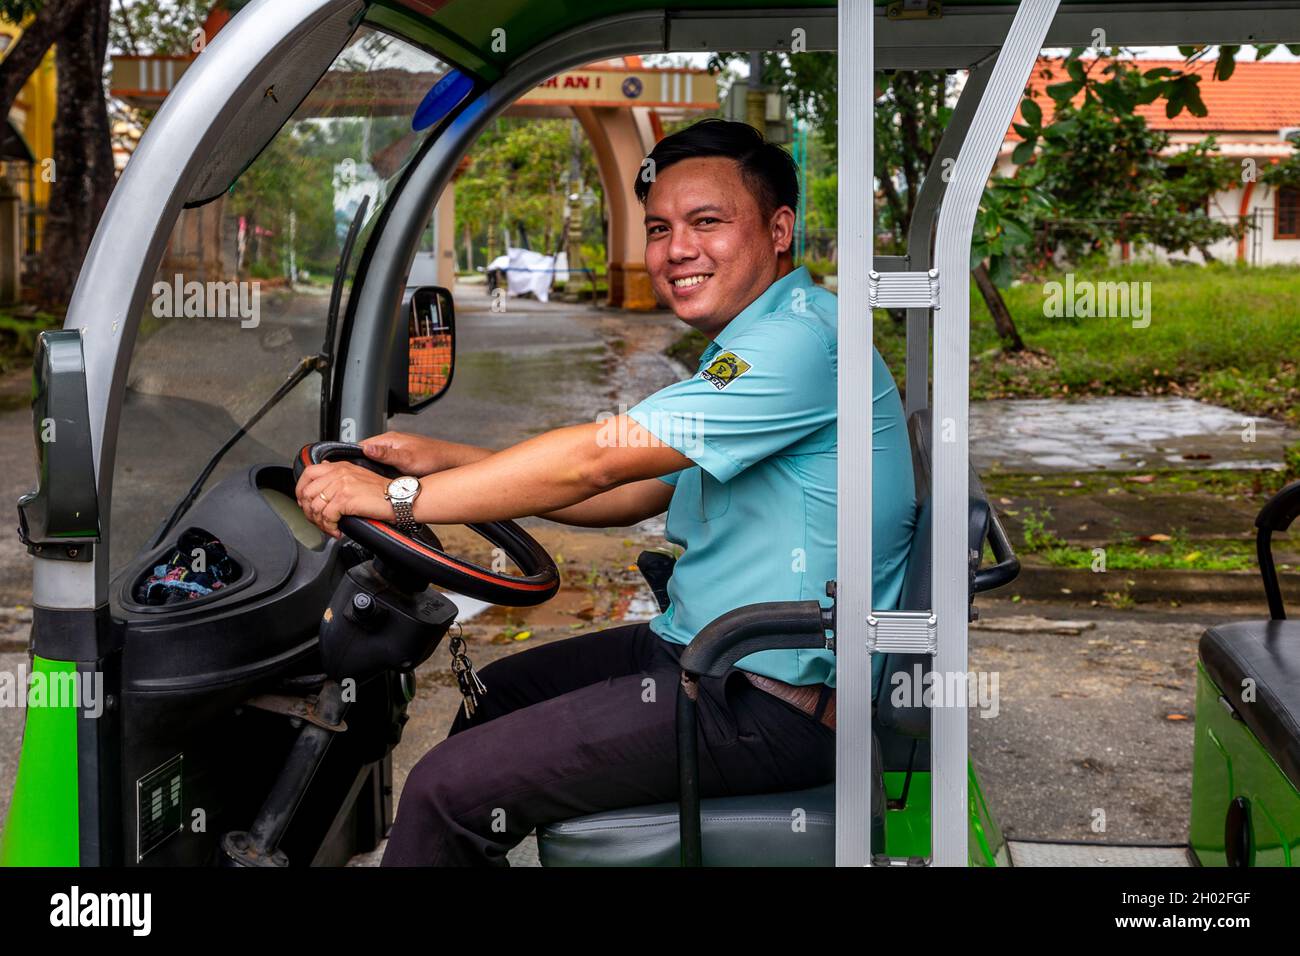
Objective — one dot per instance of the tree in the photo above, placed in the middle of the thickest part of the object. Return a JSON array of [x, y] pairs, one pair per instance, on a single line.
[[82, 168], [144, 27], [1106, 170], [517, 182], [908, 127], [1287, 172]]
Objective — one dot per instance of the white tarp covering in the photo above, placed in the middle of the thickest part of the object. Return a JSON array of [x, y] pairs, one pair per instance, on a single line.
[[528, 271]]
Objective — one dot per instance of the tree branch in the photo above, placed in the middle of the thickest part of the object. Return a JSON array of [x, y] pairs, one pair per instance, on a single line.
[[26, 55]]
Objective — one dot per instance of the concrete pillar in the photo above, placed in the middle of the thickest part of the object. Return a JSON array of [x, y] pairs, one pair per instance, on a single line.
[[444, 233], [619, 150]]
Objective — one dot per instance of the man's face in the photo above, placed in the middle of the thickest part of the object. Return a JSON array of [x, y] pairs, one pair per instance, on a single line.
[[709, 249]]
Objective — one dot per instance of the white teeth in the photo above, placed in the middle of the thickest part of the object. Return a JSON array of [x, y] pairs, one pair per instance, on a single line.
[[689, 280]]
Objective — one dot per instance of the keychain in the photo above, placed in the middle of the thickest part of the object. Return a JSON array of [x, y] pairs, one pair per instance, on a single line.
[[466, 677]]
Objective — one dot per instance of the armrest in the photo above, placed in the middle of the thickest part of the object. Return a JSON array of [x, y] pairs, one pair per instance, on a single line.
[[985, 525], [1277, 515], [1280, 510], [1007, 568], [723, 641], [773, 625]]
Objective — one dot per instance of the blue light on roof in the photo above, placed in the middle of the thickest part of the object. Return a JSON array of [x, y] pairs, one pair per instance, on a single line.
[[442, 99]]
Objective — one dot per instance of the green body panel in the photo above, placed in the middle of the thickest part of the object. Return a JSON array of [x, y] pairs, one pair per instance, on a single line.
[[1229, 763], [907, 828], [42, 829]]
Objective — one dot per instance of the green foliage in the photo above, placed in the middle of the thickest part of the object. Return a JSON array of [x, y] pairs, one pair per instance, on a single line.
[[910, 118], [1224, 333], [1287, 172], [1004, 226], [164, 27], [1034, 527], [823, 201], [1103, 167], [519, 175], [1178, 554]]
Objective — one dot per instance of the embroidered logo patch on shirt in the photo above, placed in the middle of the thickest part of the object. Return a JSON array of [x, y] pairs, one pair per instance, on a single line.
[[725, 368]]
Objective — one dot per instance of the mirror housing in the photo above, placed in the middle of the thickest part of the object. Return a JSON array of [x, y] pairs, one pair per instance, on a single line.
[[424, 350], [60, 519]]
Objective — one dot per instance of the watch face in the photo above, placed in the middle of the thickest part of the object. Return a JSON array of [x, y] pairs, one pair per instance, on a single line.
[[403, 488]]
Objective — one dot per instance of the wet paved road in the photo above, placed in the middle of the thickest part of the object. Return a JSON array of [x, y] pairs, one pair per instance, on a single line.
[[1120, 434]]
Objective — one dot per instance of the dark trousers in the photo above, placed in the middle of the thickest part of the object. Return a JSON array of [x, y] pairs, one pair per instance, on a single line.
[[588, 724]]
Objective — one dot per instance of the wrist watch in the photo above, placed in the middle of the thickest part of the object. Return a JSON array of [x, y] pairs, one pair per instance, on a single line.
[[402, 493]]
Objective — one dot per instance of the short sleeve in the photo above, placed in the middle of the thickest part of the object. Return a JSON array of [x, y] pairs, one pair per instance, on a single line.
[[670, 478], [771, 386]]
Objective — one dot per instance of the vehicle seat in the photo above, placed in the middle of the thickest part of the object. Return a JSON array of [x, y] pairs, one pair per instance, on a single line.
[[737, 831], [748, 830], [755, 830], [1267, 652]]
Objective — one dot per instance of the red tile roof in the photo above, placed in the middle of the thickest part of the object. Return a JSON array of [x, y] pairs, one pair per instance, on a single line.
[[1258, 97]]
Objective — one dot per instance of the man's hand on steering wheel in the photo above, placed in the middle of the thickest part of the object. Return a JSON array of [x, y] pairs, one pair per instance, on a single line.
[[343, 493], [332, 489]]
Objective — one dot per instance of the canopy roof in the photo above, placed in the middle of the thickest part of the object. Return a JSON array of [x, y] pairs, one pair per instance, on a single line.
[[468, 33]]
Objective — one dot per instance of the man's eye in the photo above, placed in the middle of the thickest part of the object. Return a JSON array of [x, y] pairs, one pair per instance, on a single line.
[[705, 220], [653, 230]]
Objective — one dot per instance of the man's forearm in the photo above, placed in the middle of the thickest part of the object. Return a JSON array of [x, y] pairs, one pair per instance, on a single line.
[[458, 455], [544, 474], [619, 507]]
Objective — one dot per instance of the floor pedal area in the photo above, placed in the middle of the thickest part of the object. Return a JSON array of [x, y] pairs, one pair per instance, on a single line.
[[1024, 853]]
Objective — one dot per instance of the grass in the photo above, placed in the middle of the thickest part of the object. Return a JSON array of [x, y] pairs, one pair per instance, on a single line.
[[18, 334], [1129, 554], [1219, 483], [1222, 333]]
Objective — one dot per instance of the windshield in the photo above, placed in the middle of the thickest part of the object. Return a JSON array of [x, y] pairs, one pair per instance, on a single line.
[[242, 296]]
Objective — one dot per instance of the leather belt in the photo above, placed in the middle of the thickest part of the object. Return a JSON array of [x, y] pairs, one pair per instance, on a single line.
[[802, 698]]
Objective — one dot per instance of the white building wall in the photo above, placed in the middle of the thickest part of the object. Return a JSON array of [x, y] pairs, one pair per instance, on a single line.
[[1260, 246]]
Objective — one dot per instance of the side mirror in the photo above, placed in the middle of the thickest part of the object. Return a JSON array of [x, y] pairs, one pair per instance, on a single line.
[[60, 519], [424, 352]]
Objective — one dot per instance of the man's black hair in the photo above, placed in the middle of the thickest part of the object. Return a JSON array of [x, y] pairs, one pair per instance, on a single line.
[[767, 169]]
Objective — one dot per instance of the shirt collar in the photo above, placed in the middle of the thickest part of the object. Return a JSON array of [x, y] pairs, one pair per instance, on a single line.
[[775, 298]]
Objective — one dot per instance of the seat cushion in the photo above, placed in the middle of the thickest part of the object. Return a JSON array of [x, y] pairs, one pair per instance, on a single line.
[[1267, 652], [737, 831]]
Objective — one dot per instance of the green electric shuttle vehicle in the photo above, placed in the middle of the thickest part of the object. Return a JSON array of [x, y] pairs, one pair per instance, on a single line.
[[254, 725]]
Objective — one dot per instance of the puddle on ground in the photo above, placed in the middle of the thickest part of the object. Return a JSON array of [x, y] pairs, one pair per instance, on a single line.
[[1121, 434], [641, 605]]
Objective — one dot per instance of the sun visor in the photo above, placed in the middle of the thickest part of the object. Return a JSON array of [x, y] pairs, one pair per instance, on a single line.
[[269, 106]]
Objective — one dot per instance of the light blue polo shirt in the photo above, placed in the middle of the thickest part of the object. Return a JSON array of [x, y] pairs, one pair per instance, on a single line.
[[756, 515]]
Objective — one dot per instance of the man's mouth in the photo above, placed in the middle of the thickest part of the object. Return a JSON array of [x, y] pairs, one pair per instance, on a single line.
[[687, 282]]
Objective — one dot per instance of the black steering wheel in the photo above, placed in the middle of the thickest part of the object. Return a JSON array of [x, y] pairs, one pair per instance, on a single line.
[[420, 556]]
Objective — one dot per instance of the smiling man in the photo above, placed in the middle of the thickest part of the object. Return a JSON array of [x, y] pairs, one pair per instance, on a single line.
[[742, 455]]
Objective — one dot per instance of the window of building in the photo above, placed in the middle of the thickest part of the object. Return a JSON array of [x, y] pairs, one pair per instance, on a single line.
[[1288, 213]]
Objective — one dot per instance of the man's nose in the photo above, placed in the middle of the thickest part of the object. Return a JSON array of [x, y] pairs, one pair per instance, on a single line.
[[682, 246]]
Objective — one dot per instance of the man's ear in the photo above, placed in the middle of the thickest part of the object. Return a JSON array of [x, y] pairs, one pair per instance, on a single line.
[[782, 229]]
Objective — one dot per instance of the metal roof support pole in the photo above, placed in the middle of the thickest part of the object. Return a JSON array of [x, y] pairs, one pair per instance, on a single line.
[[920, 233], [951, 575], [853, 566]]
